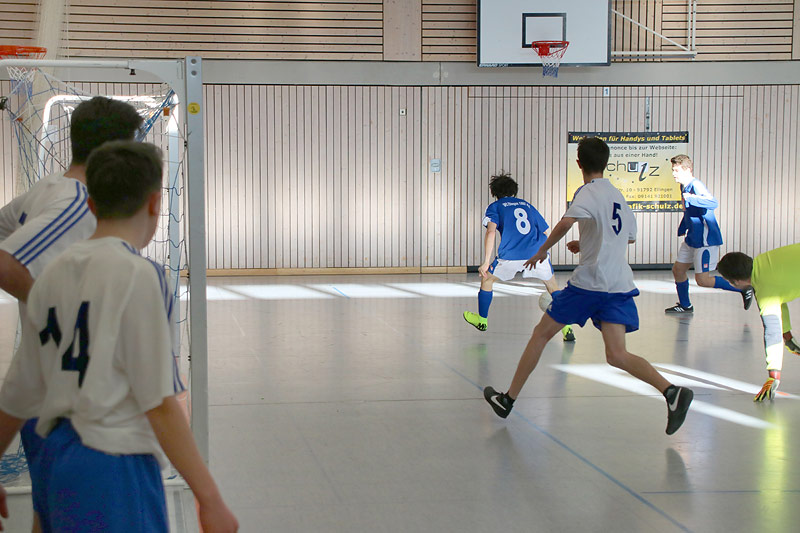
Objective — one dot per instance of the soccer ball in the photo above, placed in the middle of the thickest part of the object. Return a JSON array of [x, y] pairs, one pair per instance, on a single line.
[[544, 301]]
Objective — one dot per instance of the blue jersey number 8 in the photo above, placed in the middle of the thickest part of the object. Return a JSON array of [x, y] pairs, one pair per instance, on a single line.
[[618, 219]]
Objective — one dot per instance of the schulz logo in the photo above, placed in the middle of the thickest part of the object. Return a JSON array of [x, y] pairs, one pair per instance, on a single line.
[[642, 168]]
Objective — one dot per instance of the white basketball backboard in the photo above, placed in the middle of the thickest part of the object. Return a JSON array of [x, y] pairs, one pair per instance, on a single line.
[[506, 29]]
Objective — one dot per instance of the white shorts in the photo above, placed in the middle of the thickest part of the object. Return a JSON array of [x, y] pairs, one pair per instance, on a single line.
[[506, 269], [704, 259]]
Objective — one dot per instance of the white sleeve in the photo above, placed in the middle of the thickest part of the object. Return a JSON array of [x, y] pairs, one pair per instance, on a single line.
[[146, 342], [24, 389], [9, 218], [581, 206]]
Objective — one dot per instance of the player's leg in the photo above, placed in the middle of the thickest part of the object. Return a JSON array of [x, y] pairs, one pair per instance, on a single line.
[[617, 355], [705, 275], [503, 402], [569, 306], [499, 270], [480, 320], [552, 286], [679, 271]]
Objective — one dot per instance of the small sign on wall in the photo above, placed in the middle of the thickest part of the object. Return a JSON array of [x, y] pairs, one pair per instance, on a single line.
[[639, 167]]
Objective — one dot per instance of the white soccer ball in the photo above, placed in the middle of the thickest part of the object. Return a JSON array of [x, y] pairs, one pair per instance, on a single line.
[[544, 301]]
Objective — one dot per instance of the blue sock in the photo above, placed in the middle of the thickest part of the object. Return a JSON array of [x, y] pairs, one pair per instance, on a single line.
[[683, 293], [484, 301], [721, 283]]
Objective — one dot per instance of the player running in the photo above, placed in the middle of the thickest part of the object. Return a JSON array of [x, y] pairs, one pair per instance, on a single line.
[[601, 288], [522, 231]]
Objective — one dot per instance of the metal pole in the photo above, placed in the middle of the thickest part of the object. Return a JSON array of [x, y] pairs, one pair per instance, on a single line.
[[193, 106]]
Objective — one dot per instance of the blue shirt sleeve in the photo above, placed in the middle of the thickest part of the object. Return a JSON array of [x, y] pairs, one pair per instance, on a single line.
[[492, 215]]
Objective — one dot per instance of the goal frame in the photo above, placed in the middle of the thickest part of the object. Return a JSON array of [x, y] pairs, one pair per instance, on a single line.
[[185, 77]]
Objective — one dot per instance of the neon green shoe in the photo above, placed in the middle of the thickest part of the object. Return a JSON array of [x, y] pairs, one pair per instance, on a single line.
[[476, 320], [567, 333]]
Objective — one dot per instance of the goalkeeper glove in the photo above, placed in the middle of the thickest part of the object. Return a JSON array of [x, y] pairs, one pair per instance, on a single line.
[[791, 345], [767, 392]]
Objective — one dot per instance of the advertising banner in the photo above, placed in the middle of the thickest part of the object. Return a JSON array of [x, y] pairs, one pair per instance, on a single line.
[[639, 167]]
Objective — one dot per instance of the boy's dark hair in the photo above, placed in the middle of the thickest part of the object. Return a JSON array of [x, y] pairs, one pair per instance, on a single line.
[[735, 266], [503, 185], [120, 175], [100, 120], [593, 153]]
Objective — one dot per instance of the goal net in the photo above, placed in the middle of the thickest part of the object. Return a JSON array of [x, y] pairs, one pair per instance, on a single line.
[[37, 108]]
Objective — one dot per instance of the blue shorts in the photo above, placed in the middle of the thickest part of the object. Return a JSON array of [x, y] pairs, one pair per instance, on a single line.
[[575, 306], [79, 489], [31, 444]]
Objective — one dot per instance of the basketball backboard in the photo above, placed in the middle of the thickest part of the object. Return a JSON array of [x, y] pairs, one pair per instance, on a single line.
[[506, 29]]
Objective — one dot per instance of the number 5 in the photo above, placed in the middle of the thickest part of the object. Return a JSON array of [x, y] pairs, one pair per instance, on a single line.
[[615, 216]]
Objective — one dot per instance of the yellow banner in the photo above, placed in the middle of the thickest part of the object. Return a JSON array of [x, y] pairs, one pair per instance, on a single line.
[[639, 167]]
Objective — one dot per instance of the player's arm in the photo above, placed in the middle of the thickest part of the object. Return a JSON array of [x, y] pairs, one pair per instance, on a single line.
[[558, 232], [488, 248], [773, 346], [14, 277], [9, 427], [173, 434], [702, 197]]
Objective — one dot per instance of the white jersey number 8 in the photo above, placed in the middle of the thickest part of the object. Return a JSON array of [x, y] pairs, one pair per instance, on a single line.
[[523, 224]]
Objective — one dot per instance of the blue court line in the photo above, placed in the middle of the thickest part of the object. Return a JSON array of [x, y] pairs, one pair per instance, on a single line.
[[582, 458], [340, 292]]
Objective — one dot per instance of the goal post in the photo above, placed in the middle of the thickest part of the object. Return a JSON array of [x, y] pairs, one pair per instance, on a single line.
[[185, 135]]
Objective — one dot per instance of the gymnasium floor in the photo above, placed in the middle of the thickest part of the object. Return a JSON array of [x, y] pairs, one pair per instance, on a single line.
[[353, 403]]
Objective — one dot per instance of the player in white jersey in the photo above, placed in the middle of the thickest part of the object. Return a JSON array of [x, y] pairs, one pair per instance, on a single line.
[[601, 288], [36, 226], [96, 365], [522, 231]]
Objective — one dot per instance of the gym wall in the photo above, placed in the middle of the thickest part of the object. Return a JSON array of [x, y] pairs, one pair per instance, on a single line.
[[310, 164]]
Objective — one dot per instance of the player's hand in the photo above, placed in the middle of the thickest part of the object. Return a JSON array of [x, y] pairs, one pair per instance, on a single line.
[[483, 270], [536, 259], [3, 505], [574, 246], [768, 391], [792, 346], [217, 518]]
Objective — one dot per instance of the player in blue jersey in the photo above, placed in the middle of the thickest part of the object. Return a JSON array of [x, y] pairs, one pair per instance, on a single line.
[[601, 287], [522, 231], [703, 239]]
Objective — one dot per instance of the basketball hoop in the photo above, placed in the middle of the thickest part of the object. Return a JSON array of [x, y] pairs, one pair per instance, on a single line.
[[551, 53], [21, 52]]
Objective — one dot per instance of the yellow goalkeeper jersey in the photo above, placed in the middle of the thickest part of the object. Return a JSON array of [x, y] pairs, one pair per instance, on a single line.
[[776, 276]]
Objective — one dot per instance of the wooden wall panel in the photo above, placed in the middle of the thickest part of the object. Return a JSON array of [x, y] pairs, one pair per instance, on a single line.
[[449, 30], [19, 21], [332, 29], [734, 29]]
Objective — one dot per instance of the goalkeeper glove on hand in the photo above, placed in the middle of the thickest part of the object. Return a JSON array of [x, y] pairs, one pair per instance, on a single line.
[[767, 392], [792, 346]]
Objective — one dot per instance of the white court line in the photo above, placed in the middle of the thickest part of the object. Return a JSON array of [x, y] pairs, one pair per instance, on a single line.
[[614, 377]]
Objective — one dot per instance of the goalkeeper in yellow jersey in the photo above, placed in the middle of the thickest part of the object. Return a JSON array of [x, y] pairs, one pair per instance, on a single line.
[[775, 280]]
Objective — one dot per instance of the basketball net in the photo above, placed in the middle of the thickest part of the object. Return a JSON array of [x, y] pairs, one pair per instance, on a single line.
[[21, 74], [550, 53]]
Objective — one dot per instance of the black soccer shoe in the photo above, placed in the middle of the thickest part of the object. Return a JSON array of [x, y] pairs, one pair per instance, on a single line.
[[747, 297], [500, 401], [678, 401], [678, 308]]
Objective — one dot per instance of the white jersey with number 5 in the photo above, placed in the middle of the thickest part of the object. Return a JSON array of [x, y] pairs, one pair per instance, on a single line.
[[606, 225], [97, 348]]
